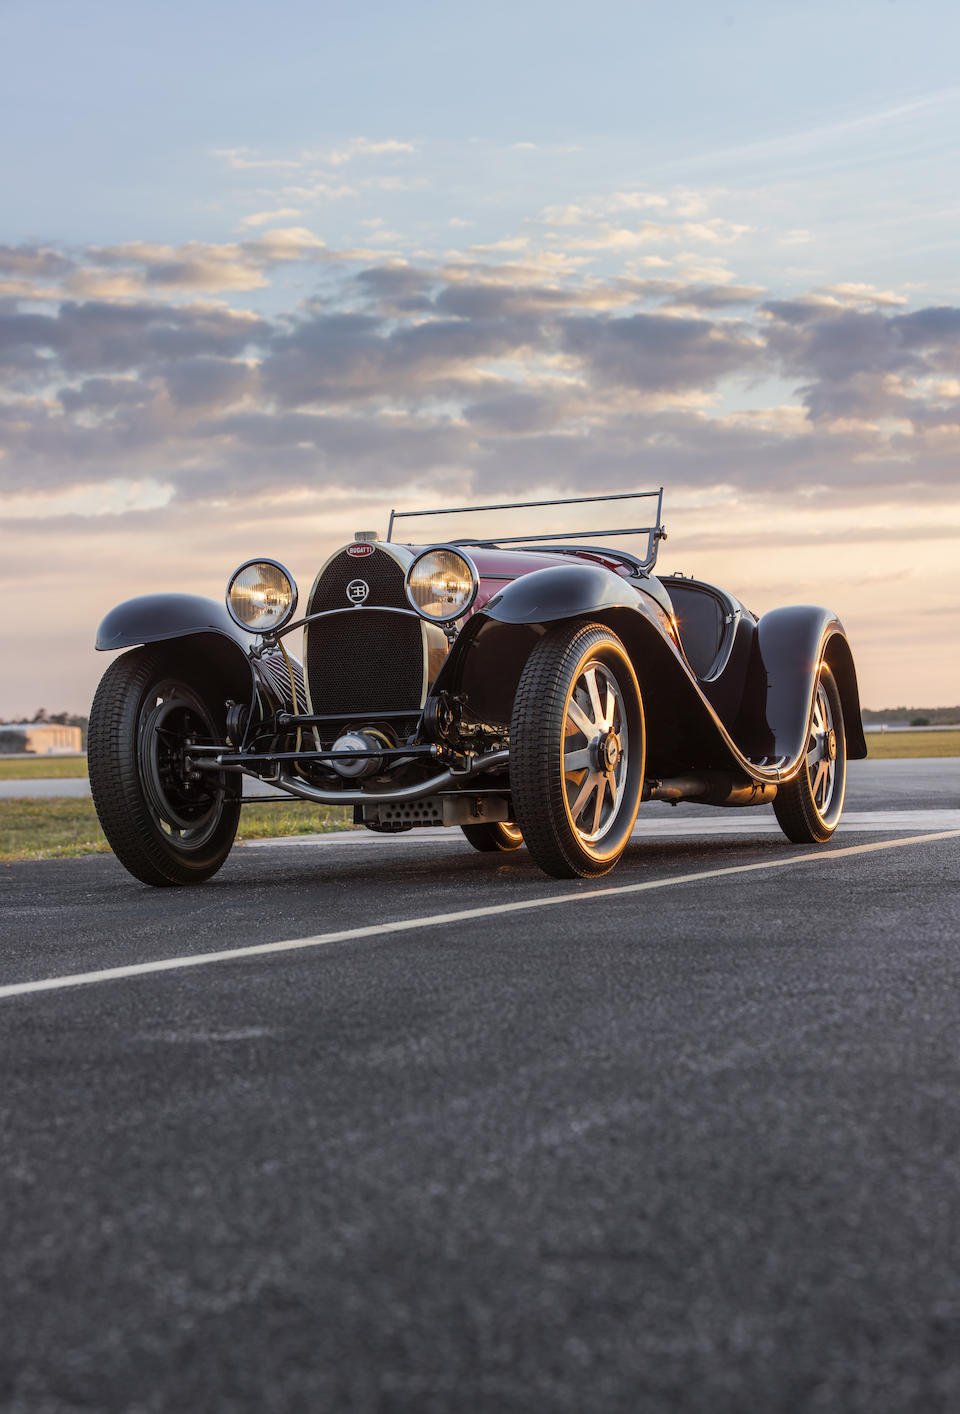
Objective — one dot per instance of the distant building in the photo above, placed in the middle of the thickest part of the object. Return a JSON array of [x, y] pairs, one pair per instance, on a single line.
[[40, 738]]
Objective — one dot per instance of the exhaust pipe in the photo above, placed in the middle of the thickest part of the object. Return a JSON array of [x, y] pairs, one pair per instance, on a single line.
[[711, 788]]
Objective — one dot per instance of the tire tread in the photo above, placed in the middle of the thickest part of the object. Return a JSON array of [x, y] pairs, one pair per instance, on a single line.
[[536, 785], [793, 804]]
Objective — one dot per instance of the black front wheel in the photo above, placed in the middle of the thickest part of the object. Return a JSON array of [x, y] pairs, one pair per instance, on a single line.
[[166, 824]]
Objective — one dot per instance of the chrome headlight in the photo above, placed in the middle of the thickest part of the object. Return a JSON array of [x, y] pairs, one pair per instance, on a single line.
[[442, 584], [261, 596]]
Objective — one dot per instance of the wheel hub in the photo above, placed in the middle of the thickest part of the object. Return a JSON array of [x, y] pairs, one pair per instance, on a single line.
[[608, 751], [831, 745], [185, 807]]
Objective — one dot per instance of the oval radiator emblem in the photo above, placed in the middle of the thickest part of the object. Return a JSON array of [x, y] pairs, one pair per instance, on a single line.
[[360, 550]]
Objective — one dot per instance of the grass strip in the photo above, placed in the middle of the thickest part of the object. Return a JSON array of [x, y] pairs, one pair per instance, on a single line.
[[61, 827], [42, 768], [893, 746]]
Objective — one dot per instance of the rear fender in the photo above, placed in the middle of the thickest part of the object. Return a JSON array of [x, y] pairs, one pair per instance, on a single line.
[[790, 646]]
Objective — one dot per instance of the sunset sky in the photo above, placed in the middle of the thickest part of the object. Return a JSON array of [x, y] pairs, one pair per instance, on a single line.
[[267, 270]]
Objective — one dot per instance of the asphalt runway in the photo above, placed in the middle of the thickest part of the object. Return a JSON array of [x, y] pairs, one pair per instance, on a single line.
[[685, 1138]]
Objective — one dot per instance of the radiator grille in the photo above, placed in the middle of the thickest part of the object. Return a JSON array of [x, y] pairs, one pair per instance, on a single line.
[[379, 570], [362, 660]]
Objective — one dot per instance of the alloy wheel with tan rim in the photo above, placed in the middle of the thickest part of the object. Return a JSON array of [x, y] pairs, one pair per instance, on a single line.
[[577, 749], [808, 808]]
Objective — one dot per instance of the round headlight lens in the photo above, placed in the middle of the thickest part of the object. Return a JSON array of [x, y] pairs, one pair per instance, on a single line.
[[261, 596], [442, 584]]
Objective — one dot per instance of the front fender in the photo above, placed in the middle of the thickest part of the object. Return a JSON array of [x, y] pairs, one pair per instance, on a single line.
[[153, 618], [490, 653], [565, 592], [202, 629], [791, 643]]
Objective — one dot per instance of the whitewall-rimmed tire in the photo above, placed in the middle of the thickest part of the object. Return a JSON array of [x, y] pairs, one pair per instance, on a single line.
[[577, 751]]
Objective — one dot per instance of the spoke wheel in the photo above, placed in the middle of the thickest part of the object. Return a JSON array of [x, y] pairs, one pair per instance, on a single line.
[[164, 823], [809, 807], [498, 837], [577, 746], [595, 752]]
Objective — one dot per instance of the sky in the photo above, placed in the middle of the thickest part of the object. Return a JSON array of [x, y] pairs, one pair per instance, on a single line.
[[268, 271]]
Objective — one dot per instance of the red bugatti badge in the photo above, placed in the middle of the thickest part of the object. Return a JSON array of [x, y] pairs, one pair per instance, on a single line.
[[360, 549]]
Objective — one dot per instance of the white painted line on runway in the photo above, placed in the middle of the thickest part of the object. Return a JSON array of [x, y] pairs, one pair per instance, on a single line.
[[747, 822], [737, 822], [464, 915]]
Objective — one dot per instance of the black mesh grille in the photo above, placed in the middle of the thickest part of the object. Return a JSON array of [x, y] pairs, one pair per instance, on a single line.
[[362, 661]]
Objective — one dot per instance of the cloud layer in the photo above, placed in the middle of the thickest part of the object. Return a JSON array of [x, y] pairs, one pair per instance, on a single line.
[[485, 369]]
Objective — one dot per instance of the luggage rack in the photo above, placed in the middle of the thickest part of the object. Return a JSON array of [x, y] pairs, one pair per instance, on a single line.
[[654, 533]]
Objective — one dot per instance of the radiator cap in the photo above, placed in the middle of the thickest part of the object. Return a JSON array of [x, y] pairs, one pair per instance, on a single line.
[[367, 535]]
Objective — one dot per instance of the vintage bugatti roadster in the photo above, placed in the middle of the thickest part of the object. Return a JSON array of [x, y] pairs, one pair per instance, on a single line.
[[528, 689]]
